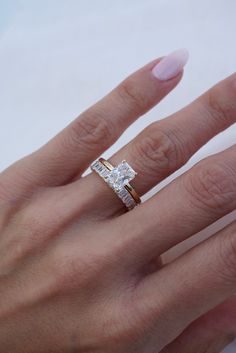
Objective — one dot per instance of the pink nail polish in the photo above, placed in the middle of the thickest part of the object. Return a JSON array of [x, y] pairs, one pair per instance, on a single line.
[[171, 65]]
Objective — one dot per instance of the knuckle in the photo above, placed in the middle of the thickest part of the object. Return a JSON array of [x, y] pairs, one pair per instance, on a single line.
[[31, 226], [92, 129], [27, 222], [73, 270], [66, 272], [212, 186], [157, 150], [218, 106], [132, 95]]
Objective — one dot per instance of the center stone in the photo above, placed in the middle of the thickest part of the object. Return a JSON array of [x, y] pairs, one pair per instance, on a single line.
[[121, 175]]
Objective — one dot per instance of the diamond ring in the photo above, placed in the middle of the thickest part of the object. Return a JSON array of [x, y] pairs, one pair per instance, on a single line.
[[118, 179]]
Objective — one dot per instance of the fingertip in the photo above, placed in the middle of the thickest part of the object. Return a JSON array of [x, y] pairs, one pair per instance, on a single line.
[[171, 65]]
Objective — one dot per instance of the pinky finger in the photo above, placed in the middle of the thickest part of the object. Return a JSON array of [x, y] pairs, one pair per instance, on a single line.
[[211, 333], [193, 284]]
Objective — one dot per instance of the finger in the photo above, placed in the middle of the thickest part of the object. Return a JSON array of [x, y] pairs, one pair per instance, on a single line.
[[165, 146], [72, 150], [190, 203], [164, 225], [193, 284], [211, 333]]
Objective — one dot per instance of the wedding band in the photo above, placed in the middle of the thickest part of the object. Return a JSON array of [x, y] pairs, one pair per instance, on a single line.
[[118, 179]]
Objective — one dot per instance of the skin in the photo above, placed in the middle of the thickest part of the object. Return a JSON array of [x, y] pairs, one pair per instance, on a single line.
[[80, 274]]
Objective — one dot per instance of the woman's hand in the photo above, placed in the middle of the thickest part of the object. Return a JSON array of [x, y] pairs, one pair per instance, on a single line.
[[79, 274]]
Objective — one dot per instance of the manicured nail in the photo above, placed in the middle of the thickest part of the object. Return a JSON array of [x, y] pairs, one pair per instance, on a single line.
[[171, 65]]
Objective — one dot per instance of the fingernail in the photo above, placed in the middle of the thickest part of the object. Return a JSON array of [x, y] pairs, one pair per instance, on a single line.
[[171, 65]]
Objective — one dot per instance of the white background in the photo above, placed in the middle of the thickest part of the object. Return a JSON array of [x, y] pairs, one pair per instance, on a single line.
[[58, 57]]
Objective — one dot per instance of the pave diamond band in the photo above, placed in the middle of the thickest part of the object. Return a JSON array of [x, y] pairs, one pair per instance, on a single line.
[[118, 179]]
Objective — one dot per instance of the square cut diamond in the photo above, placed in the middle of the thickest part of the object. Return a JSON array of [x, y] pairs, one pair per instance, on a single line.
[[121, 175]]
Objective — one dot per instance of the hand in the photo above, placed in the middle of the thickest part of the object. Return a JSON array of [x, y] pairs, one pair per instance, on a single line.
[[79, 274]]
